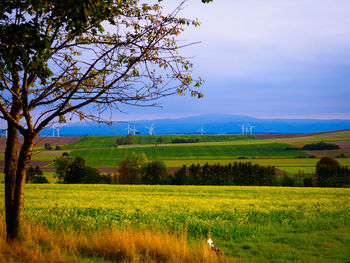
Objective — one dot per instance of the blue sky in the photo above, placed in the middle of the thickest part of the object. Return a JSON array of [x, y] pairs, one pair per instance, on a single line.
[[271, 58]]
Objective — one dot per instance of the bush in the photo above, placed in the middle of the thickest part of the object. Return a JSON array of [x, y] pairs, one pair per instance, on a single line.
[[341, 156], [125, 140], [47, 146], [35, 176], [320, 146], [57, 148], [74, 171], [190, 140]]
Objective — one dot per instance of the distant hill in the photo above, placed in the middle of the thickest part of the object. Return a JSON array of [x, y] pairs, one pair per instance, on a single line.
[[211, 123]]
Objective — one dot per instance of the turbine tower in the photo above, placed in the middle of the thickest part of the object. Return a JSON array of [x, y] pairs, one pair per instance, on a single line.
[[134, 129], [150, 129], [56, 129], [242, 127], [202, 130], [129, 129]]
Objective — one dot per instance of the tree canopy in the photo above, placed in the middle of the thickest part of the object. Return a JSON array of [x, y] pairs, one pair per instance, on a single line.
[[66, 58], [96, 53]]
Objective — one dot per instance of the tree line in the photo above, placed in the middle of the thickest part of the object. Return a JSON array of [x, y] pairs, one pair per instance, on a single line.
[[138, 169]]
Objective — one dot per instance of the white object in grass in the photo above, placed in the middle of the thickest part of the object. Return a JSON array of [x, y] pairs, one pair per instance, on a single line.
[[210, 242]]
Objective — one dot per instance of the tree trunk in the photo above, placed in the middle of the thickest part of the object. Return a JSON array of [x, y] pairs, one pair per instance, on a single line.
[[14, 187], [10, 177]]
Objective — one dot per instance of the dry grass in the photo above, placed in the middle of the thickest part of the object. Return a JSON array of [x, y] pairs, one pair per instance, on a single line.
[[41, 244]]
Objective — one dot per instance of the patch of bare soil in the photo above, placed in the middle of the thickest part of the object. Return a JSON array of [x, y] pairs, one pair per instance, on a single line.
[[278, 171], [327, 153], [295, 135], [32, 163], [40, 141], [345, 145], [108, 169], [279, 136]]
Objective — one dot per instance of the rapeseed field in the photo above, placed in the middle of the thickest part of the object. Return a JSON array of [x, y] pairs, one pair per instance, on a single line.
[[248, 223]]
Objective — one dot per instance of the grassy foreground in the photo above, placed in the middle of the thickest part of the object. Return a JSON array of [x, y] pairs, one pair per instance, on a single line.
[[40, 244], [250, 224]]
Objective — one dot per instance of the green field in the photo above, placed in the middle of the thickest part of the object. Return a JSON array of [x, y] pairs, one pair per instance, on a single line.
[[101, 151], [113, 156], [250, 224], [88, 142]]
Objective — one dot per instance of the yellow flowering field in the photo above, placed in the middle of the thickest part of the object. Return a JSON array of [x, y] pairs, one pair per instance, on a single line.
[[222, 211], [227, 214]]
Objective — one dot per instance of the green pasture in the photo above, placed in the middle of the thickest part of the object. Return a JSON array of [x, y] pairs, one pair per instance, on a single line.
[[112, 156], [278, 162], [250, 224], [88, 142], [295, 170]]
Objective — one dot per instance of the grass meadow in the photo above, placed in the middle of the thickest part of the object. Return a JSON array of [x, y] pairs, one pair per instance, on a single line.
[[87, 142], [113, 156], [250, 224]]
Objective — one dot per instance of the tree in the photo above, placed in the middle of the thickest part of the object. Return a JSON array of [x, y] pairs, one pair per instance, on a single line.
[[326, 171], [62, 164], [155, 172], [132, 168], [123, 140], [64, 58]]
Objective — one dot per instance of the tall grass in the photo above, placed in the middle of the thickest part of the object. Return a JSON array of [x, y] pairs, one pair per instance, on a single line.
[[41, 244]]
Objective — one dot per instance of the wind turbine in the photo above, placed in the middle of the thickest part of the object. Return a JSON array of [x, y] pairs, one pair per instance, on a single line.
[[134, 129], [129, 129], [251, 129], [202, 130], [243, 127], [248, 128], [151, 129]]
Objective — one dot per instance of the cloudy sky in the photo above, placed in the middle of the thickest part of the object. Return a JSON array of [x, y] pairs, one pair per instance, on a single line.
[[271, 58]]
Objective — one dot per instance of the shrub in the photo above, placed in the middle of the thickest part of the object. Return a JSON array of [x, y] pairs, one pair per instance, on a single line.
[[190, 140], [35, 176], [74, 171], [341, 156], [57, 148], [47, 146], [320, 146], [125, 140]]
